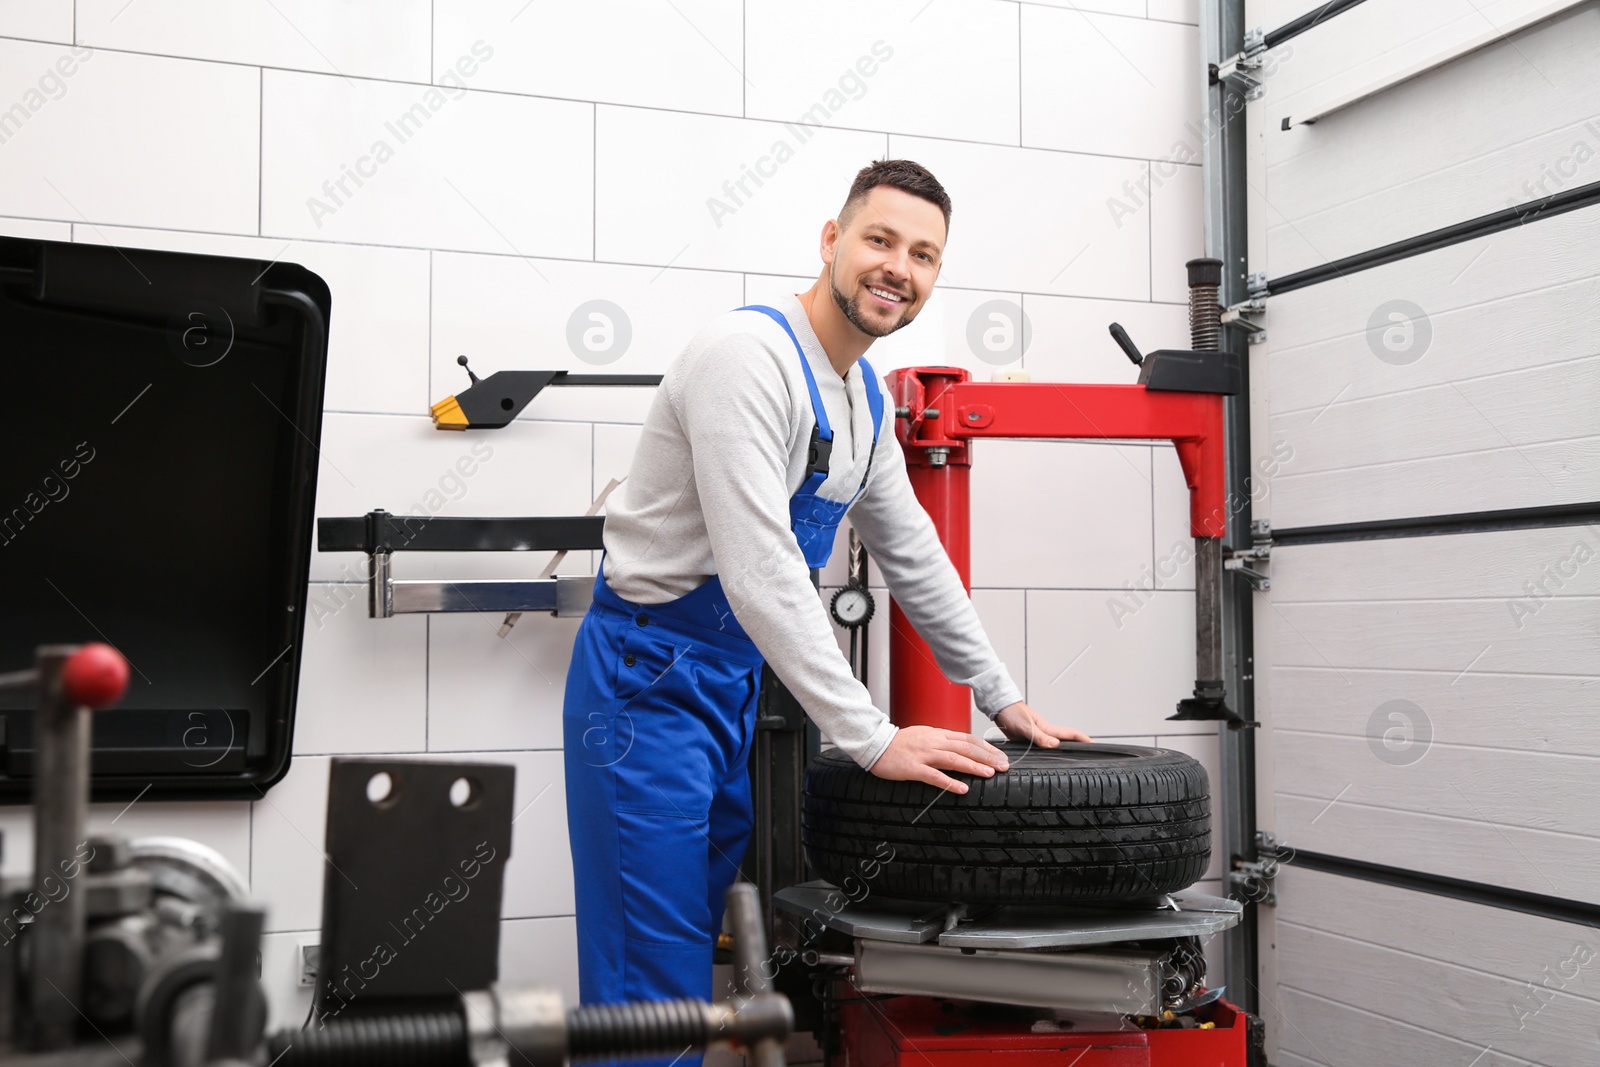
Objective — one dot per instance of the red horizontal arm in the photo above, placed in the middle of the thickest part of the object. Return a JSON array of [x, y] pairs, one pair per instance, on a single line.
[[968, 409]]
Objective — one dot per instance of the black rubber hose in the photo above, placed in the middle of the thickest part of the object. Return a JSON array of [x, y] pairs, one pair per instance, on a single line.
[[425, 1039], [663, 1026]]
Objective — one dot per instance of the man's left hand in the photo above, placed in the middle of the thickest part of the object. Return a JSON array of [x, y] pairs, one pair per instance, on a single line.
[[1021, 723]]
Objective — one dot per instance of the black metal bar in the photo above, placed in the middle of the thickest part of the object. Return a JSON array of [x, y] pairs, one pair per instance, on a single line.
[[1492, 896], [565, 378], [416, 533], [1556, 204], [1539, 518], [1315, 17]]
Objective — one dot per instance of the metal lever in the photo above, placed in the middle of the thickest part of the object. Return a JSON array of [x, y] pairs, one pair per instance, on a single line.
[[750, 961], [1124, 342]]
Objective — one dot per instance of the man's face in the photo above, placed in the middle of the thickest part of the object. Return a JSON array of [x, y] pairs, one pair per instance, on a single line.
[[885, 263]]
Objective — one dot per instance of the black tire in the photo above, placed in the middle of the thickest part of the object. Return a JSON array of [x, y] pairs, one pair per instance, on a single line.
[[1082, 822]]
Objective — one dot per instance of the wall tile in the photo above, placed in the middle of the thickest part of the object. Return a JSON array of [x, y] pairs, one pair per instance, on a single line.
[[1071, 59], [1053, 514], [116, 112], [691, 214], [1177, 232], [1072, 343], [541, 952], [685, 55], [374, 40], [493, 693], [288, 832], [1130, 8], [405, 466], [36, 228], [1175, 10], [1005, 620], [507, 313], [1085, 671], [39, 20], [1008, 233], [1173, 544], [867, 67], [362, 680], [425, 167]]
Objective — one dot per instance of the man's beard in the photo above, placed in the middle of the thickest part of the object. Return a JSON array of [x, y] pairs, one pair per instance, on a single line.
[[852, 311]]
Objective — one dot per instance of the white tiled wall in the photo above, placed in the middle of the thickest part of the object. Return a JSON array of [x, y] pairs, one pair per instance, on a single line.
[[535, 156]]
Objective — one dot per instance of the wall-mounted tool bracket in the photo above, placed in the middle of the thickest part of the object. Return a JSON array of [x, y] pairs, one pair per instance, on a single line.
[[1257, 879], [1247, 314], [1241, 69], [1260, 551], [380, 534], [491, 403]]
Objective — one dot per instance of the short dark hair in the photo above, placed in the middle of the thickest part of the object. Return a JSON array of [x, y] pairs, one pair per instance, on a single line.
[[900, 174]]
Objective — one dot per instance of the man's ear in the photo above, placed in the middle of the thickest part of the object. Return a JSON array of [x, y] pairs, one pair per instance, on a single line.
[[829, 245]]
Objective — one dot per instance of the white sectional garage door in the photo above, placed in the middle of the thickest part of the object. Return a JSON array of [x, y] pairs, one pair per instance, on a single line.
[[1429, 652]]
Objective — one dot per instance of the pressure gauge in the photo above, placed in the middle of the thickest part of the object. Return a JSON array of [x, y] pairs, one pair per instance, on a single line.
[[851, 607]]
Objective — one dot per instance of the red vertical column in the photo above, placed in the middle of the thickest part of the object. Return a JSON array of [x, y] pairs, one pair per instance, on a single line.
[[940, 469]]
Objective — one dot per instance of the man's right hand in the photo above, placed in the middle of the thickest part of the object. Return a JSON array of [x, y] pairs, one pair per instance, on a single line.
[[923, 753]]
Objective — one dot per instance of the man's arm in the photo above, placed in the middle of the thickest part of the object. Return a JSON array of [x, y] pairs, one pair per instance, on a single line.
[[902, 539], [733, 405]]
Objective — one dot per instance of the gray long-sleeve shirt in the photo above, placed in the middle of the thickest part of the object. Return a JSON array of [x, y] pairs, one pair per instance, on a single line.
[[723, 449]]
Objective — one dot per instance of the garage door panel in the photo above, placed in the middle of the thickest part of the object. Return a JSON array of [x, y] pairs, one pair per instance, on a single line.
[[1474, 1007], [1452, 932], [1342, 186], [1496, 564], [1510, 712], [1323, 208], [1531, 407], [1349, 1035], [1500, 304], [1372, 40], [1533, 861], [1567, 472], [1432, 776], [1454, 636]]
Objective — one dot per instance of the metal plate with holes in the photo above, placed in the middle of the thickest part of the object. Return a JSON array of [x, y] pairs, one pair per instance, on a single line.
[[413, 882], [1012, 927]]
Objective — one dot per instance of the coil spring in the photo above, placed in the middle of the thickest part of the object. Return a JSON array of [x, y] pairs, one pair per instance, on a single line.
[[425, 1039], [665, 1026], [1205, 318]]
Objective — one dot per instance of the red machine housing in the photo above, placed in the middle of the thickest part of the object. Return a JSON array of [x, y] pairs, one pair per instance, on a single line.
[[941, 410], [927, 1032]]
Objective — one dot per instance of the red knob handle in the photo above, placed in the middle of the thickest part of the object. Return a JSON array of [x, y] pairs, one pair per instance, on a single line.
[[95, 676]]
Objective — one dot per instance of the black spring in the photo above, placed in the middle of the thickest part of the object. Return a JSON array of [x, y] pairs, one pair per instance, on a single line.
[[1205, 318], [663, 1027], [426, 1039]]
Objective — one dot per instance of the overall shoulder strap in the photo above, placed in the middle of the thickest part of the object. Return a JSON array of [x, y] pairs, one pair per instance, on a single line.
[[824, 429], [869, 377]]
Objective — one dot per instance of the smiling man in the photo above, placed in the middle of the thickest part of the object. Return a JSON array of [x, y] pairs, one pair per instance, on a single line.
[[768, 427]]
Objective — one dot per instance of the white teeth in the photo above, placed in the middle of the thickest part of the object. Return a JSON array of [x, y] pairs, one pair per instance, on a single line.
[[894, 297]]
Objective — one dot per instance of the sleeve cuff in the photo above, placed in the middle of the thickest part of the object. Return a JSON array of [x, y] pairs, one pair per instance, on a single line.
[[994, 690]]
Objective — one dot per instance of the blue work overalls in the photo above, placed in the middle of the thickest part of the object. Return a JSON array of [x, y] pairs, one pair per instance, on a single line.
[[659, 716]]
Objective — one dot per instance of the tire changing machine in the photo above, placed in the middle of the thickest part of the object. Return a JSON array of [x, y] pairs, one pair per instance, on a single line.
[[1089, 985]]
